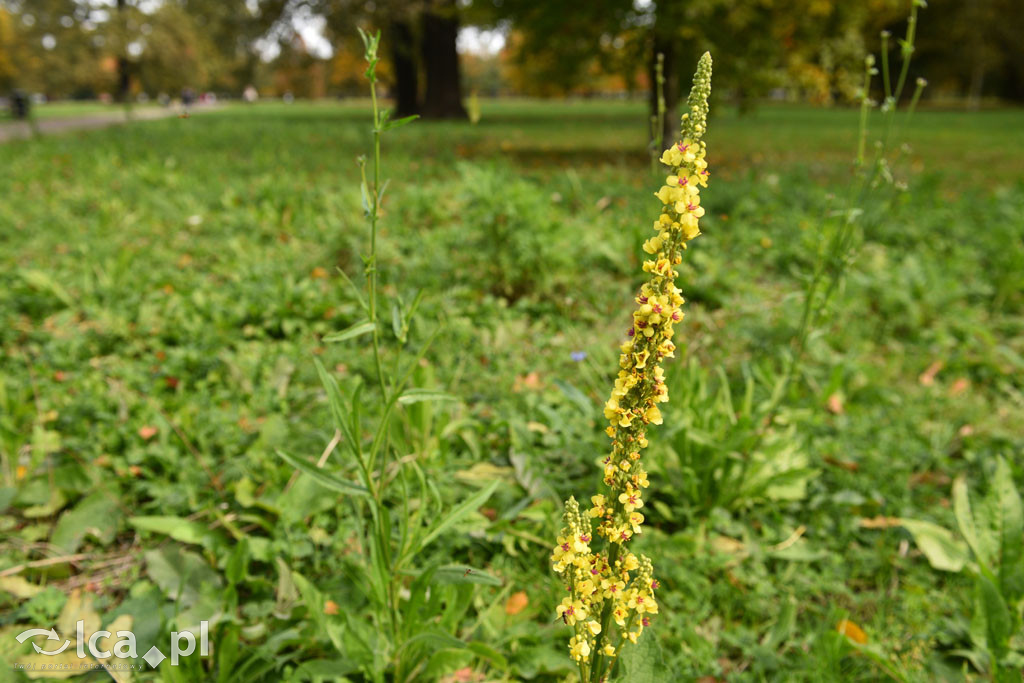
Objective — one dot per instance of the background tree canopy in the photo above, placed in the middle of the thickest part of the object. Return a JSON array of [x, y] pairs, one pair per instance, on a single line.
[[806, 49]]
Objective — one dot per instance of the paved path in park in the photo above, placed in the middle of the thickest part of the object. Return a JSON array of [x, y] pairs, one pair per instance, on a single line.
[[20, 129]]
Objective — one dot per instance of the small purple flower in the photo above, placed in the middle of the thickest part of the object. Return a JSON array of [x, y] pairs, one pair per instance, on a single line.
[[578, 356]]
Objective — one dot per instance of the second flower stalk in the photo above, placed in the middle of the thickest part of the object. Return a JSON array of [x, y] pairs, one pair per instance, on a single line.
[[611, 591]]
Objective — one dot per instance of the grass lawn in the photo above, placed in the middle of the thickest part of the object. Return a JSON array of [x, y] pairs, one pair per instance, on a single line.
[[165, 287]]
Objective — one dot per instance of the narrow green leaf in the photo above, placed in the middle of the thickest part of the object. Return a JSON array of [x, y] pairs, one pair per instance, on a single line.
[[338, 410], [355, 290], [326, 480], [420, 395], [458, 512], [356, 330], [365, 195], [398, 123], [396, 322], [461, 573]]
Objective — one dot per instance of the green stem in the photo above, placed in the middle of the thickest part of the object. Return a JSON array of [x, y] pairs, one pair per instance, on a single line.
[[606, 618], [371, 273]]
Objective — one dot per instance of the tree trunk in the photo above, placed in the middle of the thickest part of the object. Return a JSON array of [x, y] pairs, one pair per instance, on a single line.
[[124, 77], [443, 96], [403, 58]]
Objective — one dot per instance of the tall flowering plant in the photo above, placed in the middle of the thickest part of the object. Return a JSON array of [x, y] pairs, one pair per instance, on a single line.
[[611, 590]]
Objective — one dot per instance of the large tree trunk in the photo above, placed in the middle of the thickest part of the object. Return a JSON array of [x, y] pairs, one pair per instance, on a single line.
[[443, 96], [124, 76], [403, 58], [664, 42]]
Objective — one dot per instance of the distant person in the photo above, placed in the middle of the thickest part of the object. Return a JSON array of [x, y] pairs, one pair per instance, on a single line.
[[188, 98], [21, 105], [288, 97], [249, 94]]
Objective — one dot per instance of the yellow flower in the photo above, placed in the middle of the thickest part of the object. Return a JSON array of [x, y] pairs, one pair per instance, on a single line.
[[579, 648], [594, 627], [613, 589], [642, 602], [563, 553], [571, 611], [630, 499], [580, 543]]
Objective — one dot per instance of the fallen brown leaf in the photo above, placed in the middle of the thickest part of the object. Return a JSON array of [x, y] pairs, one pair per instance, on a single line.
[[927, 378], [878, 522], [847, 465], [852, 631], [961, 385], [516, 603]]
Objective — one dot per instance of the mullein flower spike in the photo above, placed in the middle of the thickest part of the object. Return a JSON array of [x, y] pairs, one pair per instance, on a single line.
[[613, 586]]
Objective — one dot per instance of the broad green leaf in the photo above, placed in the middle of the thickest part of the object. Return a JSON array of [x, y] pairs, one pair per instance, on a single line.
[[19, 587], [434, 639], [459, 511], [489, 654], [643, 662], [7, 494], [965, 520], [97, 515], [326, 480], [1011, 537], [419, 395], [238, 563], [995, 616], [937, 543], [355, 330], [177, 528], [79, 607], [180, 573]]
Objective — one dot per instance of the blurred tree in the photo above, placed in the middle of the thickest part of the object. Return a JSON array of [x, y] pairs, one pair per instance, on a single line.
[[52, 50], [442, 97], [233, 28], [7, 48], [973, 48], [420, 38], [175, 52]]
